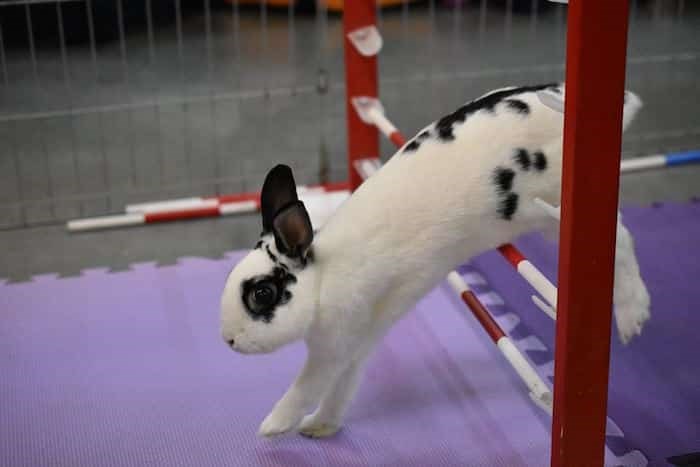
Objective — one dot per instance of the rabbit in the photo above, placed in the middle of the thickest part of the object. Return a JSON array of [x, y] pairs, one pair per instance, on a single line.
[[461, 186]]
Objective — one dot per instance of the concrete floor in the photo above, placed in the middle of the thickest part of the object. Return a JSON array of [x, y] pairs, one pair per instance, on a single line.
[[160, 118]]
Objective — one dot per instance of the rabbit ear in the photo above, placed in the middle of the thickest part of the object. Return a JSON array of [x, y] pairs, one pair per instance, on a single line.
[[293, 231], [278, 191]]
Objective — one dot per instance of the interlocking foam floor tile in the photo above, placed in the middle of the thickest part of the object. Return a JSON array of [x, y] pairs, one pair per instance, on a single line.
[[128, 368], [654, 392]]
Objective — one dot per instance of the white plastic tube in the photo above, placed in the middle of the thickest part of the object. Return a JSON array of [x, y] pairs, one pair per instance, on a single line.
[[538, 281], [239, 207], [106, 222], [539, 391], [171, 205], [642, 163], [380, 121]]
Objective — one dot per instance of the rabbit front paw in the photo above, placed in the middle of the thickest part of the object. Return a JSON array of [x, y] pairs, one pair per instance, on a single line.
[[283, 419], [631, 319], [314, 426]]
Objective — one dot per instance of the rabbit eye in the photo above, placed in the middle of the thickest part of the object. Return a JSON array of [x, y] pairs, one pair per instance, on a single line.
[[263, 295]]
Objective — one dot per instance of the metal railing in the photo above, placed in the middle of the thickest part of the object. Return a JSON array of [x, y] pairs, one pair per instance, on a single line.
[[103, 103]]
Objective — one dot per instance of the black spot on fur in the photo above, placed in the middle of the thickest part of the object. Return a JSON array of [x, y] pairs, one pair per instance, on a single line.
[[540, 162], [503, 178], [280, 279], [412, 146], [445, 126], [415, 143], [258, 245], [518, 106], [272, 256], [445, 132], [522, 158], [509, 204], [286, 276]]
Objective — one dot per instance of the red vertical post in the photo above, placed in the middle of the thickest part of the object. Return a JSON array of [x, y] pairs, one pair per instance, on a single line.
[[595, 77], [360, 80]]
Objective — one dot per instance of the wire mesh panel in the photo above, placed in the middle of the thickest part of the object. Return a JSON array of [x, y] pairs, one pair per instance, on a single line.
[[105, 102], [110, 102], [439, 54]]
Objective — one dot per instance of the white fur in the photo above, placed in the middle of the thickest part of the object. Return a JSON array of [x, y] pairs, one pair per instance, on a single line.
[[395, 238]]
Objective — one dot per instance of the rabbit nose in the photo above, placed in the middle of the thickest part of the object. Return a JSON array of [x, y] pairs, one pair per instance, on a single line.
[[231, 342]]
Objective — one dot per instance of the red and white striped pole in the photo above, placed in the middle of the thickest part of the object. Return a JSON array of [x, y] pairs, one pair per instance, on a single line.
[[183, 204], [197, 208], [137, 218], [212, 201], [539, 391], [371, 111], [534, 277]]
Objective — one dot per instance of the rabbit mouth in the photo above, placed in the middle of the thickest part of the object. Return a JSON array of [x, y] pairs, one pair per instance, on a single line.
[[249, 349]]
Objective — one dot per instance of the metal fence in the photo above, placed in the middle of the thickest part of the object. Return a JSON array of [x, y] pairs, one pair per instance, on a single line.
[[109, 102]]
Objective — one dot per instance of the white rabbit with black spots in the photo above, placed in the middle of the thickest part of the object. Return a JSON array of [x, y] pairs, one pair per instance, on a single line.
[[464, 185]]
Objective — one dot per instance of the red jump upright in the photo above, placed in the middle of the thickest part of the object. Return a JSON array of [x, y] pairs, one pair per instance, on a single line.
[[595, 77], [360, 80]]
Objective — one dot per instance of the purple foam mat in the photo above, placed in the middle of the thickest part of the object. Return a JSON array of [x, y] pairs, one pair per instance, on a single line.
[[654, 394], [128, 369]]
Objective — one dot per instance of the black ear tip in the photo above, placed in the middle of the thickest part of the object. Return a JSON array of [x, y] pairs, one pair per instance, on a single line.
[[279, 175], [281, 170]]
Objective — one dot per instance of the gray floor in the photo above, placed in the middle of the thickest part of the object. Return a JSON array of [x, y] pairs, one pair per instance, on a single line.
[[211, 113]]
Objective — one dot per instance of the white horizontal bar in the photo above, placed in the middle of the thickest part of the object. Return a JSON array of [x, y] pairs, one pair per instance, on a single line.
[[544, 402], [367, 167], [310, 190], [546, 308], [552, 211], [106, 222], [196, 202], [171, 205], [532, 380], [380, 121], [538, 281], [457, 283], [239, 207], [642, 163]]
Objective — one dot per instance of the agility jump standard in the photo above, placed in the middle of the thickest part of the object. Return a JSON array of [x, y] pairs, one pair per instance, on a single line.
[[596, 40]]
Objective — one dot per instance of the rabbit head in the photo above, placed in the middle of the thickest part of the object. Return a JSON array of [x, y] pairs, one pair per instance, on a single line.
[[269, 298]]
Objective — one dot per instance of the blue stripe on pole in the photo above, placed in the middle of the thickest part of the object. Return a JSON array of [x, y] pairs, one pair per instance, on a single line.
[[680, 158]]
